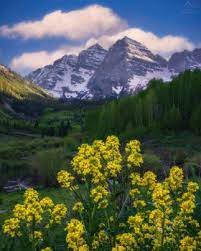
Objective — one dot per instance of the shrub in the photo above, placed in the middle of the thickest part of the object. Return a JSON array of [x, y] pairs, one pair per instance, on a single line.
[[193, 166], [119, 208], [45, 164], [70, 145], [180, 156], [151, 162]]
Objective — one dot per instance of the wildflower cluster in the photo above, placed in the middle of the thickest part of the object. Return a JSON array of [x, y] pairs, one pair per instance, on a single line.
[[100, 161], [33, 215], [11, 227], [115, 206]]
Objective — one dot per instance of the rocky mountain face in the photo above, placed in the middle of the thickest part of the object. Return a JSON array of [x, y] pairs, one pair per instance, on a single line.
[[68, 77], [127, 67], [124, 69], [182, 61]]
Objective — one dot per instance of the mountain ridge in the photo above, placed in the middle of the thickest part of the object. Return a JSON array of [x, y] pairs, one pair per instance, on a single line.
[[124, 69]]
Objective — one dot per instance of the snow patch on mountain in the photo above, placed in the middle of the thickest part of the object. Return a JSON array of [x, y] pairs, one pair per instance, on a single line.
[[140, 82], [117, 90]]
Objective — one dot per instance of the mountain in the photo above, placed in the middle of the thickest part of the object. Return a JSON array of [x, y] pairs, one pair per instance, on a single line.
[[124, 69], [182, 61], [68, 77], [127, 67], [15, 91]]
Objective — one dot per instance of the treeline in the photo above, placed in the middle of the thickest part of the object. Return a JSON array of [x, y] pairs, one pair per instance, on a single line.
[[170, 106], [61, 129], [11, 123]]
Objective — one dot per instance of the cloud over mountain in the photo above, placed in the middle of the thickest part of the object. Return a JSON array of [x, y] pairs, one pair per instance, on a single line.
[[93, 20], [29, 61]]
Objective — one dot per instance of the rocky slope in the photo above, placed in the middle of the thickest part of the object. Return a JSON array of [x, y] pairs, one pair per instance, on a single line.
[[182, 61], [68, 77], [124, 69]]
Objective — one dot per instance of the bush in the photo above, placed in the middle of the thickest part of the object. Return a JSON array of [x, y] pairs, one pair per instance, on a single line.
[[193, 166], [70, 145], [180, 156], [45, 164], [151, 162], [119, 208]]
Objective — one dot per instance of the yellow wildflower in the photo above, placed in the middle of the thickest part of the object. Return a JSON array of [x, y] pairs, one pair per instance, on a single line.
[[83, 248], [113, 168], [34, 212], [75, 232], [188, 206], [175, 179], [135, 222], [134, 153], [149, 179], [19, 212], [187, 244], [135, 179], [134, 192], [58, 213], [192, 187], [46, 203], [102, 236], [161, 196], [46, 249], [65, 179], [99, 195], [37, 236], [30, 196], [95, 244], [126, 240], [119, 248], [11, 227], [139, 204], [78, 207]]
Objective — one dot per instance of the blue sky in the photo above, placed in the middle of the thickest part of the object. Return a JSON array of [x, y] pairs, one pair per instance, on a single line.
[[52, 28]]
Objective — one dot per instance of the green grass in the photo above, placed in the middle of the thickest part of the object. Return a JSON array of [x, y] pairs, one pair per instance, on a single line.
[[169, 145]]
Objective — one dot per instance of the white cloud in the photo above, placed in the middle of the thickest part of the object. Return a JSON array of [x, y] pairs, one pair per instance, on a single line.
[[94, 20], [93, 24], [30, 61], [164, 46]]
